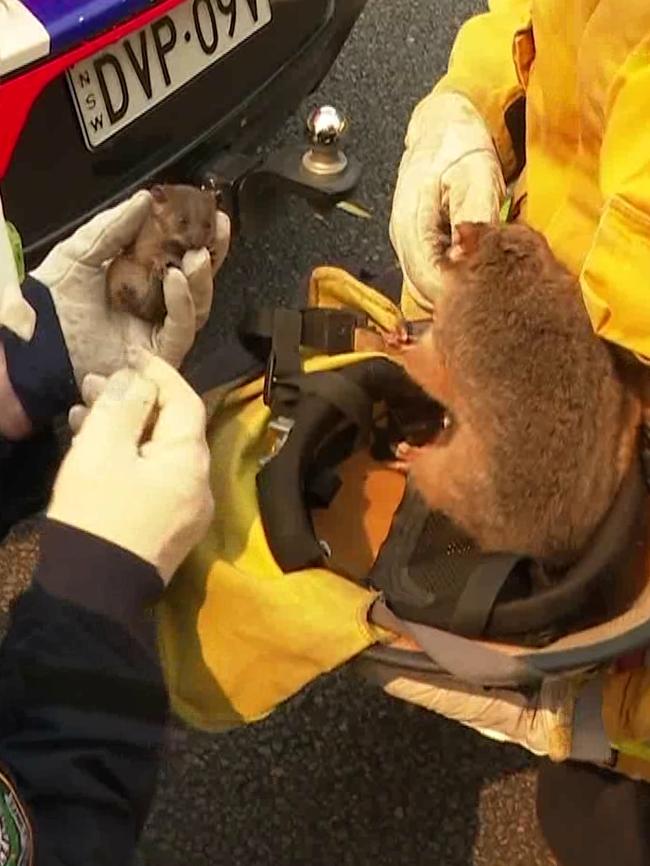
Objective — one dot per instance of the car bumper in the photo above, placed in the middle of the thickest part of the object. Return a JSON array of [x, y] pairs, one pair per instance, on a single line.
[[47, 198]]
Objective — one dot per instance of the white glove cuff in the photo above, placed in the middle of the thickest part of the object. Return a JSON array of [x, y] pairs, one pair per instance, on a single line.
[[442, 112]]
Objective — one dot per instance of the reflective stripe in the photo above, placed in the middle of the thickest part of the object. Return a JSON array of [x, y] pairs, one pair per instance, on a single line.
[[23, 38], [15, 314], [8, 273], [636, 750]]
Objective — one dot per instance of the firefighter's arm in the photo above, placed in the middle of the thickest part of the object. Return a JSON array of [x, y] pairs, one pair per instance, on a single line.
[[482, 67], [83, 705], [563, 720], [603, 719], [626, 713], [461, 141], [82, 698], [614, 278]]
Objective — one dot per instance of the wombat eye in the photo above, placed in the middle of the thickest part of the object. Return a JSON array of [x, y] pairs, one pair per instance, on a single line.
[[207, 226], [183, 222]]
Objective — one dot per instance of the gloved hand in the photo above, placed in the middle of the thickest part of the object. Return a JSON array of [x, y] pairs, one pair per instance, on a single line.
[[99, 339], [564, 720], [449, 173], [137, 473], [77, 332]]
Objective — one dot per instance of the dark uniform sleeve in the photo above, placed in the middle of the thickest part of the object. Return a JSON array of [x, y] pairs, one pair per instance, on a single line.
[[40, 370], [82, 705]]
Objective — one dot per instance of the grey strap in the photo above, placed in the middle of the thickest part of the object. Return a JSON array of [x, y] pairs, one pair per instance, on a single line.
[[590, 741], [285, 343], [469, 661], [477, 599]]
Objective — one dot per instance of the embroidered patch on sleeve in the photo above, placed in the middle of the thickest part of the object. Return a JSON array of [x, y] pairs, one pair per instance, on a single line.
[[16, 838]]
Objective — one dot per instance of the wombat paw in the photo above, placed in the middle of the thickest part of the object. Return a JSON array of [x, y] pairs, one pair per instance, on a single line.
[[404, 454], [404, 451], [395, 339]]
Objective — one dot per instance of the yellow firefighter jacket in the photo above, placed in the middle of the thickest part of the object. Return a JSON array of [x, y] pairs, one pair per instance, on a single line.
[[583, 69]]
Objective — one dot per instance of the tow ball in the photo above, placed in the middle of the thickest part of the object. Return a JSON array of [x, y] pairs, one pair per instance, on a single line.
[[319, 171]]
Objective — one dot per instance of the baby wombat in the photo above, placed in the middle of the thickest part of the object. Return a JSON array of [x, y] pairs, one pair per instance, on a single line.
[[182, 218], [541, 426]]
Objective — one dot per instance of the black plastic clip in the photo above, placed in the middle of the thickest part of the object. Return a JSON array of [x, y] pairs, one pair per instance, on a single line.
[[331, 330]]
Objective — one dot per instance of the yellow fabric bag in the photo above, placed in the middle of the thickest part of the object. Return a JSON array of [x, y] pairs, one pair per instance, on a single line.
[[238, 636]]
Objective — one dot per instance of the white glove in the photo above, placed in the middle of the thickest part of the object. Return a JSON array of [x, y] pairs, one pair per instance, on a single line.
[[562, 721], [137, 473], [100, 339], [449, 173]]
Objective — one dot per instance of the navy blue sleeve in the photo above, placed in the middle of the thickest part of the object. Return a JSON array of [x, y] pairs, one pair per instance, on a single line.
[[83, 703], [40, 371]]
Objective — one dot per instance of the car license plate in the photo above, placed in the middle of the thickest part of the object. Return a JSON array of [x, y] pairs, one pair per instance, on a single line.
[[118, 85]]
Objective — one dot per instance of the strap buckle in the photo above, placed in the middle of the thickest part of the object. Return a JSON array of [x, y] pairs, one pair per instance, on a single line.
[[269, 379], [331, 330], [326, 330], [284, 357], [278, 433]]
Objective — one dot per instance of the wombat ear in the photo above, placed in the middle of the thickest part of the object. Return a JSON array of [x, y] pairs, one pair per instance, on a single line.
[[159, 193], [214, 195], [465, 240]]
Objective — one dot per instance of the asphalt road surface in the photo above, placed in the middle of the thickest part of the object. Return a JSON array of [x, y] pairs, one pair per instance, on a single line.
[[342, 774]]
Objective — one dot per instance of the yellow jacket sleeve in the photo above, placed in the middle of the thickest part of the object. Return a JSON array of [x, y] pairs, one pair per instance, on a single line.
[[615, 278], [482, 67], [626, 714]]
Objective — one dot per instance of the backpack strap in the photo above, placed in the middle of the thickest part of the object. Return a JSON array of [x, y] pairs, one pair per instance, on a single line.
[[339, 391], [442, 652], [277, 335], [477, 600], [311, 411], [284, 353], [318, 405], [326, 329]]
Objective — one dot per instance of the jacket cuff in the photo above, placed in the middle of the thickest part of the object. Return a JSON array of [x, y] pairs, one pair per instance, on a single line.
[[40, 370], [489, 63], [97, 575]]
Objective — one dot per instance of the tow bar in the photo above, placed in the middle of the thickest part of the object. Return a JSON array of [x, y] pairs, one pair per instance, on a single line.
[[320, 172]]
